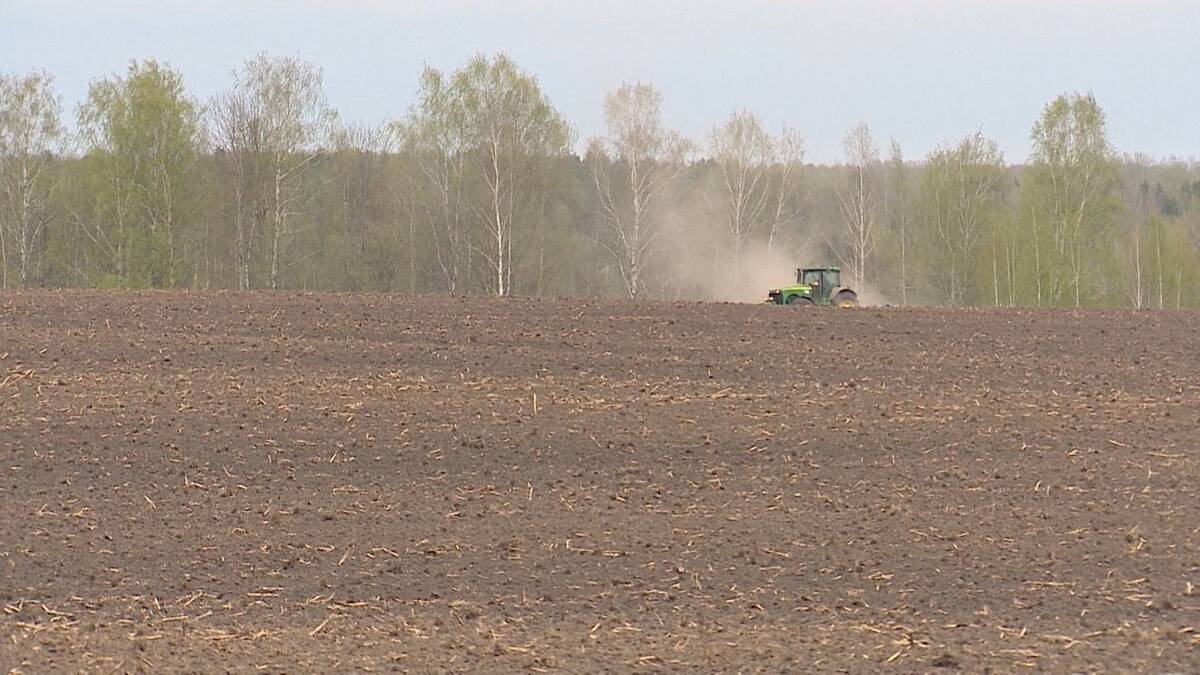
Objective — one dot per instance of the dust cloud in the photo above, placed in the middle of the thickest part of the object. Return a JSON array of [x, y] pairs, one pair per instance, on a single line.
[[698, 261], [703, 266], [747, 280], [869, 296], [720, 276]]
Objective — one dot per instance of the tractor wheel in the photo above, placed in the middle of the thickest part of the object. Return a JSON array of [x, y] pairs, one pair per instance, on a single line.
[[845, 299], [799, 301]]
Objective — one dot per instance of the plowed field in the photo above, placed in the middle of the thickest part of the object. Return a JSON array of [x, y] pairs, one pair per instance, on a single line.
[[290, 482]]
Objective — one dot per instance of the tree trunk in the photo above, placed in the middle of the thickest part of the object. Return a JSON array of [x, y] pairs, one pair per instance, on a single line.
[[1159, 262], [995, 274], [1179, 287], [1037, 260], [634, 281], [26, 228], [277, 233], [273, 282], [1137, 266], [903, 263], [501, 234], [541, 267], [412, 254], [241, 243], [3, 259]]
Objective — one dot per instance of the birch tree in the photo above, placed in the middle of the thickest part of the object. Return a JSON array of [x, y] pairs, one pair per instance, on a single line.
[[743, 152], [510, 128], [278, 115], [142, 134], [788, 156], [962, 194], [899, 210], [757, 194], [858, 200], [434, 137], [1070, 192], [513, 123], [30, 136], [236, 129], [1137, 222], [631, 168]]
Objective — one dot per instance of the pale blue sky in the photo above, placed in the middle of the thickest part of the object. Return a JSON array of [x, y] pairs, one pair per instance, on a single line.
[[919, 72]]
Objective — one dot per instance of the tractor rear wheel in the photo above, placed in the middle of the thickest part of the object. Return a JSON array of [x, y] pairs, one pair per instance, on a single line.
[[845, 298], [799, 301]]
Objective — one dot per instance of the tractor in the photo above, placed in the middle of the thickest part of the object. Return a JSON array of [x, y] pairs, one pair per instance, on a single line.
[[815, 286]]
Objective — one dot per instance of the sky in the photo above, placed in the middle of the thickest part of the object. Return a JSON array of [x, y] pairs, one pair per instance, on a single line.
[[919, 72]]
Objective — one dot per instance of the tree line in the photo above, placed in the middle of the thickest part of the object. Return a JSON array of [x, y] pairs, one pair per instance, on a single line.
[[478, 188]]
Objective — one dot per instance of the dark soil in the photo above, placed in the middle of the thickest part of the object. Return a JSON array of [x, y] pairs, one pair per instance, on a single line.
[[301, 483]]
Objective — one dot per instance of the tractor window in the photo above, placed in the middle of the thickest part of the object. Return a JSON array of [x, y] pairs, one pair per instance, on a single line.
[[811, 277], [832, 279]]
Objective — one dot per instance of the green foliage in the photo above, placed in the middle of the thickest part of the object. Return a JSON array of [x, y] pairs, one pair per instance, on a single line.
[[143, 135], [484, 136], [30, 136], [961, 205], [1069, 201], [275, 124], [476, 190]]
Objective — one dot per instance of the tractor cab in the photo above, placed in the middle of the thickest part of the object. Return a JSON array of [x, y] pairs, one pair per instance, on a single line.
[[822, 281]]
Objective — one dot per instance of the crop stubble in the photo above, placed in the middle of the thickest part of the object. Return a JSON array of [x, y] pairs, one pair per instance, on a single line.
[[295, 481]]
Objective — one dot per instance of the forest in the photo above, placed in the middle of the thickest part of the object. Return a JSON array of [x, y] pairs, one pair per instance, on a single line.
[[482, 187]]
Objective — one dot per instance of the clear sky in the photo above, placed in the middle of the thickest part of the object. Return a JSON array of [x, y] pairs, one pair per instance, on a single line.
[[919, 72]]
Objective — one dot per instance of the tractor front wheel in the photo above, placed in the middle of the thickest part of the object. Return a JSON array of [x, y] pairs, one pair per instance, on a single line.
[[845, 299], [799, 301]]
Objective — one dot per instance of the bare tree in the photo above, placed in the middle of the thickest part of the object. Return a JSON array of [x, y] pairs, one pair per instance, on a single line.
[[858, 199], [30, 134], [630, 168], [789, 158], [743, 152], [434, 137], [236, 131], [278, 115], [899, 210], [361, 222]]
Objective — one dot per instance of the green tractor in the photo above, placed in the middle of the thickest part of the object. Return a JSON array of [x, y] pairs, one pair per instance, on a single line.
[[815, 286]]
